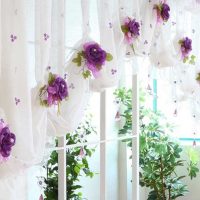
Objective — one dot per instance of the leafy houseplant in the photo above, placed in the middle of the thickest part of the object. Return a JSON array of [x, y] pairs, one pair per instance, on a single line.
[[77, 164], [160, 155]]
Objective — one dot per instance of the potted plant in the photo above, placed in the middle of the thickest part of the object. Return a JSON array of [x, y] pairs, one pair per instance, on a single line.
[[77, 164], [160, 155]]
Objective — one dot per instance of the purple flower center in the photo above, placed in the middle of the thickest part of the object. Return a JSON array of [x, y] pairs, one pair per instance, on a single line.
[[94, 55], [165, 9], [134, 27], [7, 140], [186, 46], [57, 91]]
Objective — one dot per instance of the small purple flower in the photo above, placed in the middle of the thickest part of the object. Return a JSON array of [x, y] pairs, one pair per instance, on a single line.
[[13, 37], [186, 46], [163, 11], [131, 29], [7, 141], [17, 101], [48, 68], [46, 36], [65, 76], [71, 86], [57, 91], [113, 71]]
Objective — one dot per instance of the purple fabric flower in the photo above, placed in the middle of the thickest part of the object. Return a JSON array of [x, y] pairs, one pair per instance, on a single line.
[[7, 140], [134, 28], [57, 91], [186, 46], [131, 29], [92, 58], [162, 10], [95, 56], [165, 9]]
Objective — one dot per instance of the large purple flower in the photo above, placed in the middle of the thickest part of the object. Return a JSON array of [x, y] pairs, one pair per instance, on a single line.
[[57, 91], [165, 9], [7, 140], [95, 56], [91, 58]]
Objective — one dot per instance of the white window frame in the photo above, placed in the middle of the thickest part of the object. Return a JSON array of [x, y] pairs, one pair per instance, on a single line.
[[62, 181]]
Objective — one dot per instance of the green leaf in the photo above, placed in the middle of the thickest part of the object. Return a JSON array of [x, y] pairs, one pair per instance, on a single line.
[[109, 57], [124, 29], [51, 78], [77, 60], [192, 60], [77, 169], [198, 77], [185, 59], [86, 74]]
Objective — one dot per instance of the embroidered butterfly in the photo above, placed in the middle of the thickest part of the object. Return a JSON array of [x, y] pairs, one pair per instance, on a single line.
[[110, 25], [17, 101]]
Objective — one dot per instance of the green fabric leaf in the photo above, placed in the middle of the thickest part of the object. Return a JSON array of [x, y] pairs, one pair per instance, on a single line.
[[109, 57], [86, 74], [51, 78], [124, 29]]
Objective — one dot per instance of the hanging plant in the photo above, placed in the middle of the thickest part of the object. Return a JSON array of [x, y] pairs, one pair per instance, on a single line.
[[54, 92], [162, 11], [131, 30], [7, 141], [92, 58], [186, 48]]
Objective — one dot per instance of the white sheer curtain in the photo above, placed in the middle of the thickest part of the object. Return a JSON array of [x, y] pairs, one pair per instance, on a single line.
[[32, 43]]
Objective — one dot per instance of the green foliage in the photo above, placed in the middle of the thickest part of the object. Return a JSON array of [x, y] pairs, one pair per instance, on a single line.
[[78, 59], [160, 155], [86, 73], [51, 78], [109, 57], [192, 60], [198, 77], [124, 29], [77, 164]]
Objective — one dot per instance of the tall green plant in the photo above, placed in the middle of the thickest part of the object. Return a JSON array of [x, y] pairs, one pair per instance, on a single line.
[[77, 164], [160, 155]]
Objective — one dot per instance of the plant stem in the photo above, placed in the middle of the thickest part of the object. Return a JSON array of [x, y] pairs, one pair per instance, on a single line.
[[169, 194], [162, 179]]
